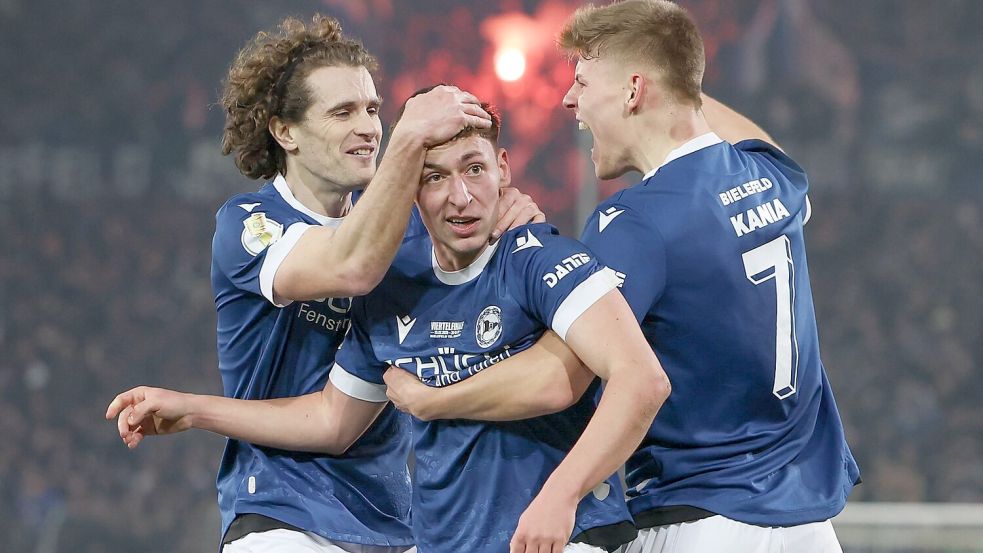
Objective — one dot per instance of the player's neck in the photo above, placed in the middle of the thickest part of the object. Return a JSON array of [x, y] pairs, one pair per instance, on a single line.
[[450, 261], [320, 196], [677, 128]]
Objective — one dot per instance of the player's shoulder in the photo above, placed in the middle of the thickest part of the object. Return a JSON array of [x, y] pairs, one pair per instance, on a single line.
[[535, 244], [532, 237], [764, 152], [635, 204], [413, 258], [262, 209], [265, 200]]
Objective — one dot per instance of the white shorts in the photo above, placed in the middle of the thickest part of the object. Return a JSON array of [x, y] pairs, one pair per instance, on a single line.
[[282, 540], [718, 534], [582, 548], [290, 541]]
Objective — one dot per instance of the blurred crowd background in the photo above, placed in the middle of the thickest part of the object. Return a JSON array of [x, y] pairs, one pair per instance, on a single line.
[[110, 174]]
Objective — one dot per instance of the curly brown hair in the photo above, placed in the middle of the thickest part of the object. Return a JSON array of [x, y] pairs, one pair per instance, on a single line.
[[268, 78]]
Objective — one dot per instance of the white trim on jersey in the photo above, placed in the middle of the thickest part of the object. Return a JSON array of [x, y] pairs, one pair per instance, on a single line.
[[696, 144], [581, 298], [351, 385], [467, 274], [808, 215], [281, 186], [275, 254]]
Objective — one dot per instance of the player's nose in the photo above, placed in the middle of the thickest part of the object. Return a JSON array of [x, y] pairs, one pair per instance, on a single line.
[[459, 196], [569, 100], [365, 126]]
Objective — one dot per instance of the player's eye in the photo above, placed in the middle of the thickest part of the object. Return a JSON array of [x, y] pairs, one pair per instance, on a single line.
[[342, 114], [373, 110], [475, 169], [432, 178]]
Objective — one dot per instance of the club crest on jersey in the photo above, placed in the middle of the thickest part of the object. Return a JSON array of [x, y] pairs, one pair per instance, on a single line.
[[259, 233], [488, 329]]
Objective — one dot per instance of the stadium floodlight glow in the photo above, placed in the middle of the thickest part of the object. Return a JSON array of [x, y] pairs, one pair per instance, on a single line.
[[510, 64]]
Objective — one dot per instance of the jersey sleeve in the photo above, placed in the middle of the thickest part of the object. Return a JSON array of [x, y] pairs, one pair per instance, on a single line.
[[627, 242], [555, 278], [250, 244], [356, 371]]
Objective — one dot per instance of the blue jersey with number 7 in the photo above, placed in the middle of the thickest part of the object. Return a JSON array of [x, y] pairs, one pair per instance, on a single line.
[[710, 251]]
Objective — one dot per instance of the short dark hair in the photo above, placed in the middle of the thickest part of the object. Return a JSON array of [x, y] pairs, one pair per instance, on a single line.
[[491, 133]]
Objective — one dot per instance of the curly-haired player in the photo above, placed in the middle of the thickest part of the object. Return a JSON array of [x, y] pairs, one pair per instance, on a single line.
[[303, 113]]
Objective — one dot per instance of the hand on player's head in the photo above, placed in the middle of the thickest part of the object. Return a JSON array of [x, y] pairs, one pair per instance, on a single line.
[[440, 114]]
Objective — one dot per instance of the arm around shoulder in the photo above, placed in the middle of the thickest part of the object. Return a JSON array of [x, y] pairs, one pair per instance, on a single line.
[[543, 379]]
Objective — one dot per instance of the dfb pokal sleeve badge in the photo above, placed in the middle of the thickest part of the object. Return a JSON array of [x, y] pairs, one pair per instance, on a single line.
[[260, 232]]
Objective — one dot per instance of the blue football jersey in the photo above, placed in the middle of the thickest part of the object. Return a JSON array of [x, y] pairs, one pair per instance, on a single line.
[[270, 351], [473, 479], [711, 254]]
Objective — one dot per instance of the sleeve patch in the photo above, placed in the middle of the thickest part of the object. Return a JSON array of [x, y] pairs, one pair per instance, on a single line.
[[259, 233]]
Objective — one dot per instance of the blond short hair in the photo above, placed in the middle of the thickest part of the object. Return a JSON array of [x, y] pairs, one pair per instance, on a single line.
[[656, 32]]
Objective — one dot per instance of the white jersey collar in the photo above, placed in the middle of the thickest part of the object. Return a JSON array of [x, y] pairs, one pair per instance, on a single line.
[[466, 274], [698, 143], [280, 184]]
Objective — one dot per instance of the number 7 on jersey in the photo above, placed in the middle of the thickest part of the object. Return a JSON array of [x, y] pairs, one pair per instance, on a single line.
[[758, 265]]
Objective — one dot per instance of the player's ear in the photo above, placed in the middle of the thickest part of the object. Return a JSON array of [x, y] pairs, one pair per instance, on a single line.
[[280, 130], [504, 169], [635, 92]]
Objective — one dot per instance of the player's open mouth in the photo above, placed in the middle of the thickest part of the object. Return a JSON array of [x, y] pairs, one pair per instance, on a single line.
[[362, 151], [463, 225]]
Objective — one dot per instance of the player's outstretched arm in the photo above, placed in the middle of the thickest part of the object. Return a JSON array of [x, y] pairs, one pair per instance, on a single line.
[[328, 421], [730, 125], [607, 338], [352, 259], [545, 378]]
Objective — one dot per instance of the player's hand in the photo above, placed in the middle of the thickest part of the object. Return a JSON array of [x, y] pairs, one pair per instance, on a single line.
[[145, 411], [408, 394], [441, 113], [545, 526], [517, 209]]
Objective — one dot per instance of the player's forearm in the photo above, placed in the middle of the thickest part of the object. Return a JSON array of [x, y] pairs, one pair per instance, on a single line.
[[630, 401], [541, 380], [364, 245], [731, 125], [296, 423], [378, 221]]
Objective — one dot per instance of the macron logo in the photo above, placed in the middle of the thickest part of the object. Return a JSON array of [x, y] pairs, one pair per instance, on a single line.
[[607, 216], [249, 207], [526, 242], [403, 325]]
